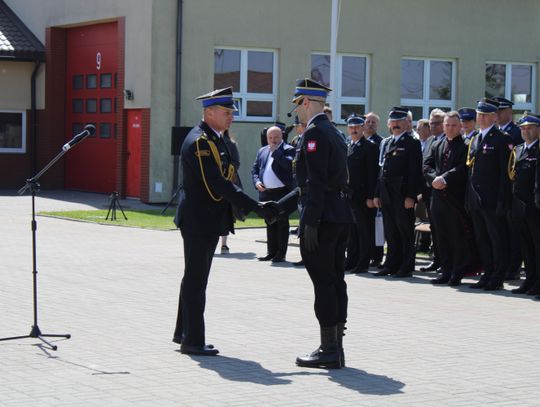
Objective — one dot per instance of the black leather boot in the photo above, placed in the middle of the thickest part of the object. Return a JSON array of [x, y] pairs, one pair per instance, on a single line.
[[340, 334], [325, 356]]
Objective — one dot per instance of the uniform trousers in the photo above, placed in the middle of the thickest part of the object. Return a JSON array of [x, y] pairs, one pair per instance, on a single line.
[[359, 246], [277, 234], [529, 227], [398, 232], [457, 245], [198, 255], [491, 233], [326, 268]]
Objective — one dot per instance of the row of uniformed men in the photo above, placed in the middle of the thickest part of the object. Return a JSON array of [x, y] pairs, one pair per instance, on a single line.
[[482, 185]]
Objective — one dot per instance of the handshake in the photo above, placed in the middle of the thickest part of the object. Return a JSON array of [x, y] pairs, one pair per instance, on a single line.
[[269, 211]]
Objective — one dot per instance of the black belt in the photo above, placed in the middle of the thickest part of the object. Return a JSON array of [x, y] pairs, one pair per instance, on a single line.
[[275, 189]]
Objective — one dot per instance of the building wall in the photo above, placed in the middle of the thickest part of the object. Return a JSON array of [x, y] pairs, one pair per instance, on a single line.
[[470, 33]]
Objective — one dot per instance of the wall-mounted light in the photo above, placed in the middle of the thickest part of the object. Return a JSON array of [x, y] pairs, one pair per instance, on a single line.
[[128, 94]]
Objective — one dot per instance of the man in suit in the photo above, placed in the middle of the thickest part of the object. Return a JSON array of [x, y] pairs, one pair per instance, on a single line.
[[272, 177], [488, 194], [507, 125], [436, 119], [467, 117], [371, 126], [321, 176], [446, 171], [363, 165], [525, 213], [397, 189], [204, 213]]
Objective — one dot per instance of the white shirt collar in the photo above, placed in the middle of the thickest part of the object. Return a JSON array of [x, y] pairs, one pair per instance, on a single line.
[[396, 138], [527, 146], [505, 125], [313, 118], [486, 131]]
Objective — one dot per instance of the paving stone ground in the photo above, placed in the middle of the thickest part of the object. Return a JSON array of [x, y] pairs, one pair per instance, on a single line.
[[115, 290]]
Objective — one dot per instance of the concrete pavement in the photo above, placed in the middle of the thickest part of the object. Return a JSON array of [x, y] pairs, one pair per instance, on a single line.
[[115, 290]]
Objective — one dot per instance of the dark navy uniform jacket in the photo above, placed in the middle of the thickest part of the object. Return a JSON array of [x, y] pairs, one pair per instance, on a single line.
[[489, 183], [321, 174], [526, 165], [401, 166], [363, 164], [205, 208], [514, 132], [282, 165]]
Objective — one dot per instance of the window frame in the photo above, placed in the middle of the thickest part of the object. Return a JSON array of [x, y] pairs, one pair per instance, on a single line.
[[22, 149], [531, 106], [426, 103], [347, 100], [243, 95]]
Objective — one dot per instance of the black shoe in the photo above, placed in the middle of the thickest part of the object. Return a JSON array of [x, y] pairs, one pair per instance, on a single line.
[[534, 290], [360, 271], [523, 288], [203, 350], [430, 267], [321, 359], [493, 285], [293, 231], [375, 263], [454, 281], [298, 263], [278, 259], [440, 280], [266, 258], [402, 274], [480, 284], [384, 272]]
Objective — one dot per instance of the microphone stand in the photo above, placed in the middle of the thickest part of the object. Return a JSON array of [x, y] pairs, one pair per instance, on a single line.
[[33, 185]]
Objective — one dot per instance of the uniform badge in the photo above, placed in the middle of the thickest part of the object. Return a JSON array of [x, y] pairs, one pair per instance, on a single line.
[[311, 146], [202, 153]]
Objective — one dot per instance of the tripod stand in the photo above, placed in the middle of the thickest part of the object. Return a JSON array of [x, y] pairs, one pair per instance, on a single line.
[[33, 186], [114, 202], [172, 199]]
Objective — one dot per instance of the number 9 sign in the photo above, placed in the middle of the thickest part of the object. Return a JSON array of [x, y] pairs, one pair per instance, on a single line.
[[98, 61]]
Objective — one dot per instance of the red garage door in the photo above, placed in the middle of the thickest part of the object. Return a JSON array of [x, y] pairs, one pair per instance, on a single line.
[[91, 89]]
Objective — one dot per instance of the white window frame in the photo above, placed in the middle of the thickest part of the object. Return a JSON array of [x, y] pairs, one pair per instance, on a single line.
[[22, 149], [246, 96], [530, 107], [426, 103], [348, 100]]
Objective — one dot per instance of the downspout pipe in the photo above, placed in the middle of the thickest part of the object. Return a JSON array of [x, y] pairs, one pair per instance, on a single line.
[[33, 116], [177, 108]]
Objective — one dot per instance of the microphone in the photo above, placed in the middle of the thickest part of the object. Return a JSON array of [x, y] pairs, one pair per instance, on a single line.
[[89, 130], [291, 112]]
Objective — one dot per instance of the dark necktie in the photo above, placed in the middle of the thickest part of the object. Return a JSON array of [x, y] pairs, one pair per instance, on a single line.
[[446, 155]]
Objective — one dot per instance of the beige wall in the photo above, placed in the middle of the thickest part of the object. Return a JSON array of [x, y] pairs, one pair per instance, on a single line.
[[15, 83]]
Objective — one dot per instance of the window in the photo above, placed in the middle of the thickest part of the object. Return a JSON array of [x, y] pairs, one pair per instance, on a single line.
[[352, 83], [515, 82], [12, 131], [253, 77], [91, 81], [427, 84]]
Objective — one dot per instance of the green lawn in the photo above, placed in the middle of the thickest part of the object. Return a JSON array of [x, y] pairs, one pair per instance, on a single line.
[[148, 219]]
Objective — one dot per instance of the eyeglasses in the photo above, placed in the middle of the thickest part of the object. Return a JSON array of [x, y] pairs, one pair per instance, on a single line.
[[435, 123]]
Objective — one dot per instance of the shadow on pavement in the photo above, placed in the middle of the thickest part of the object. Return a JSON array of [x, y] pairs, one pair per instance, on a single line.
[[237, 255], [240, 370]]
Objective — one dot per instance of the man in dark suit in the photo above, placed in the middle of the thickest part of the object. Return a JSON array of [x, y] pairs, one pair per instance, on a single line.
[[524, 212], [467, 116], [272, 176], [397, 189], [446, 171], [489, 194], [507, 125], [363, 165], [321, 175], [204, 213], [371, 126]]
